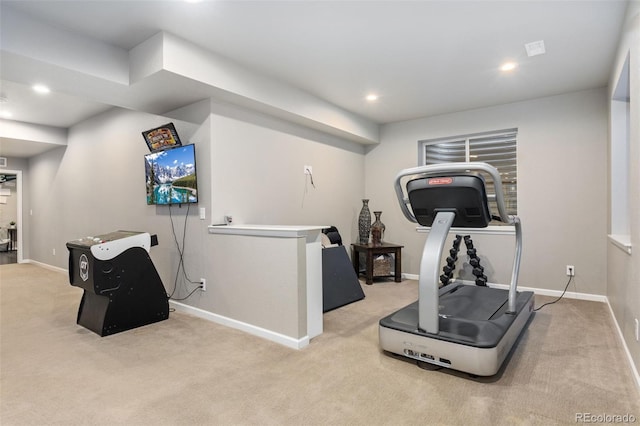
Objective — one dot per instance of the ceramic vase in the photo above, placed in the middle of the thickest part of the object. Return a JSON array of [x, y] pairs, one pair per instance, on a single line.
[[377, 230]]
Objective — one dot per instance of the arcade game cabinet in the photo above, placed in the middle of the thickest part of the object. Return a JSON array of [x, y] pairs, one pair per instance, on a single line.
[[122, 289]]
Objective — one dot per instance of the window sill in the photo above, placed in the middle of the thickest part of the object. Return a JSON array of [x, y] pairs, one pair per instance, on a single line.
[[489, 230], [623, 242]]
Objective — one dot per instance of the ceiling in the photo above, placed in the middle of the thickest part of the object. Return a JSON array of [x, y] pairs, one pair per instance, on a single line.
[[421, 58]]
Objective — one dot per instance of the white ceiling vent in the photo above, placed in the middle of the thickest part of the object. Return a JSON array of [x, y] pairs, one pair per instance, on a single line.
[[535, 48]]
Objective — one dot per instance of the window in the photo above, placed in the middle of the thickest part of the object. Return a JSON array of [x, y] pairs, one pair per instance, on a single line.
[[497, 148], [620, 232]]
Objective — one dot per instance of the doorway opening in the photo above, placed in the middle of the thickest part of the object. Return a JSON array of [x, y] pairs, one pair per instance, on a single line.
[[11, 219]]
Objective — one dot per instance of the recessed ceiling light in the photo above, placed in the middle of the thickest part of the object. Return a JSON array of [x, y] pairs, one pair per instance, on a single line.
[[372, 97], [6, 114], [41, 88], [535, 48], [509, 66]]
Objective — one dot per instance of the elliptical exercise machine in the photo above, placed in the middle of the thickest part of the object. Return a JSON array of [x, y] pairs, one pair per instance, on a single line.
[[469, 328]]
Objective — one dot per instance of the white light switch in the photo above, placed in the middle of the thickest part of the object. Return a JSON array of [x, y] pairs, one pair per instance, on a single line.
[[202, 213]]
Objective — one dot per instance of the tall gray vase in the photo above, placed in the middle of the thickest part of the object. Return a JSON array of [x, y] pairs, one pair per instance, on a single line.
[[364, 222], [364, 229]]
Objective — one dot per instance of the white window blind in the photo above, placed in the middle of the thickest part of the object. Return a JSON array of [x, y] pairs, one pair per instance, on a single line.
[[498, 148]]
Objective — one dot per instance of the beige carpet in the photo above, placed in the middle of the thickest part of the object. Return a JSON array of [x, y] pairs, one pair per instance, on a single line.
[[187, 371]]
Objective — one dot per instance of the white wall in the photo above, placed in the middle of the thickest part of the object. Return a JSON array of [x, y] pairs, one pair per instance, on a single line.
[[623, 271], [562, 152], [257, 177], [248, 165], [96, 184], [258, 173]]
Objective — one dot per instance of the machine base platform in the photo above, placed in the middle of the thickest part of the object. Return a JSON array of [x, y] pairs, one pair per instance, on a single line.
[[476, 346]]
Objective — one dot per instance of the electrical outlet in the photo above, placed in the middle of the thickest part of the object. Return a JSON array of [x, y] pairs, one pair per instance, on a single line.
[[308, 170], [203, 284], [571, 271], [53, 251]]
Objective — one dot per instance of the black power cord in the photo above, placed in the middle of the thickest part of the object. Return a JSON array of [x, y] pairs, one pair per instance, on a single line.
[[558, 299], [181, 254], [188, 295]]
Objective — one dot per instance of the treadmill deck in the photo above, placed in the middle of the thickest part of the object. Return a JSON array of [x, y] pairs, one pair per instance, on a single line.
[[469, 315], [476, 341]]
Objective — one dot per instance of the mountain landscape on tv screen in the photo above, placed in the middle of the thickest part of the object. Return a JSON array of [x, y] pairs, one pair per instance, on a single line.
[[171, 177]]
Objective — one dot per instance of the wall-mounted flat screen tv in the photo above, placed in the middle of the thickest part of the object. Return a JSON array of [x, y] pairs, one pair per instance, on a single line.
[[171, 176]]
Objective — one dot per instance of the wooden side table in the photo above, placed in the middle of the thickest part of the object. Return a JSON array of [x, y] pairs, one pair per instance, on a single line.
[[371, 251]]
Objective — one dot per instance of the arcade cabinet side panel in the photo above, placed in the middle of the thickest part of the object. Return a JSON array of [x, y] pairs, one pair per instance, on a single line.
[[93, 307], [81, 265], [92, 312], [139, 297]]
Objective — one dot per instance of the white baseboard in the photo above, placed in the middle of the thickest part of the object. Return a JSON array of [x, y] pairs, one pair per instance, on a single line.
[[634, 370], [556, 293], [540, 291], [239, 325], [46, 266], [410, 276]]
